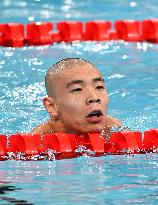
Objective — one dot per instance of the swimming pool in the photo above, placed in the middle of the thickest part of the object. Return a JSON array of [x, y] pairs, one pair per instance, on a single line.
[[131, 75]]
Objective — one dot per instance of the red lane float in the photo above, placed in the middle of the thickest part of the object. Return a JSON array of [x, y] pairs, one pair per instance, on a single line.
[[97, 30], [62, 145], [39, 33], [70, 31], [3, 147], [151, 140], [128, 30], [12, 35], [123, 141], [150, 30], [42, 33]]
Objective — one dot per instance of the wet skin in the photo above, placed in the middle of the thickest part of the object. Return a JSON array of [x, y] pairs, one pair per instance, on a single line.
[[78, 103]]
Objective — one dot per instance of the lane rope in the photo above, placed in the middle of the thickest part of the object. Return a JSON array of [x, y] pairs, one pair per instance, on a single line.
[[45, 33], [62, 145]]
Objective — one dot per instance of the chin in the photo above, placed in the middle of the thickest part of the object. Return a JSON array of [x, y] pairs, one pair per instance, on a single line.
[[90, 128], [95, 129]]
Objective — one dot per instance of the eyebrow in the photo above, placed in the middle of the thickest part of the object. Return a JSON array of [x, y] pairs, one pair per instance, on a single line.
[[99, 79], [74, 82]]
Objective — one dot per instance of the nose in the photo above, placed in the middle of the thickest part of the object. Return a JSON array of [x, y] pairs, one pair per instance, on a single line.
[[93, 98]]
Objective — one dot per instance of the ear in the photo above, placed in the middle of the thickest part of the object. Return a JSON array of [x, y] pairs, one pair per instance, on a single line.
[[51, 106]]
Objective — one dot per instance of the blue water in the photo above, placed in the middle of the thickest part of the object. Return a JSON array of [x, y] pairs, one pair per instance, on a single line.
[[131, 74]]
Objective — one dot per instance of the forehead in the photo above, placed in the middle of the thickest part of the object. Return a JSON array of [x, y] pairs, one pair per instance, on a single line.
[[82, 72]]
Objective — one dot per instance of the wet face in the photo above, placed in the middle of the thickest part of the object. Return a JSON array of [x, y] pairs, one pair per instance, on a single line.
[[81, 99]]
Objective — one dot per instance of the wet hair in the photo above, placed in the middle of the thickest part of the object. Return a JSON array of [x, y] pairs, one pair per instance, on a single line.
[[59, 67]]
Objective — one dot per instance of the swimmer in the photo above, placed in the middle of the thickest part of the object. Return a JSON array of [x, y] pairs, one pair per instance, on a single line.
[[76, 100]]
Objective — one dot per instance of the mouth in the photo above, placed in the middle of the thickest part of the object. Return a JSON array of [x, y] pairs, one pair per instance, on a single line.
[[95, 116]]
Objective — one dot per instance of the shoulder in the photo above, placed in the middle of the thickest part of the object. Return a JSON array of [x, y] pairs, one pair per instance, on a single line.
[[43, 128], [112, 122]]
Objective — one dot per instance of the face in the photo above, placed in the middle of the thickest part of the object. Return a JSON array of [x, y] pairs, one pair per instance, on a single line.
[[81, 99]]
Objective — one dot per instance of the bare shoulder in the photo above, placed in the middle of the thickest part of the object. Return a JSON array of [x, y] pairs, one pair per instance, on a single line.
[[43, 128], [112, 122]]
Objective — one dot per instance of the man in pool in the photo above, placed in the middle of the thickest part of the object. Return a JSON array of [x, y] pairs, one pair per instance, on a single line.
[[77, 99]]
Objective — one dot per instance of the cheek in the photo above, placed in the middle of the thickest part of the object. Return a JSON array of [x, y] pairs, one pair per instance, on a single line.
[[71, 105], [104, 97], [71, 114], [107, 100]]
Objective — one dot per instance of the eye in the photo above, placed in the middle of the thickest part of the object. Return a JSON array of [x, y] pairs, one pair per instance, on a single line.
[[76, 90], [100, 87]]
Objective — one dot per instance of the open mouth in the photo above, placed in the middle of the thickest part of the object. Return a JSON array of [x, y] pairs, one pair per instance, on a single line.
[[95, 116], [96, 113]]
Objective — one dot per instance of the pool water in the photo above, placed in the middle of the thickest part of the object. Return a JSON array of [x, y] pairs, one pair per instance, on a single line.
[[85, 180], [131, 74], [130, 71]]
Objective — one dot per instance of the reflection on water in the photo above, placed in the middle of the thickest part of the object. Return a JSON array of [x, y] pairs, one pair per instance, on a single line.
[[4, 189]]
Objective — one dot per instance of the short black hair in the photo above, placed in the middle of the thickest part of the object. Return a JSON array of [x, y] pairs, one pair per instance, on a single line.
[[62, 65]]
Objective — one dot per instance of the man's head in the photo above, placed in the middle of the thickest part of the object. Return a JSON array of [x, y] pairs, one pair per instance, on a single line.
[[77, 98]]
